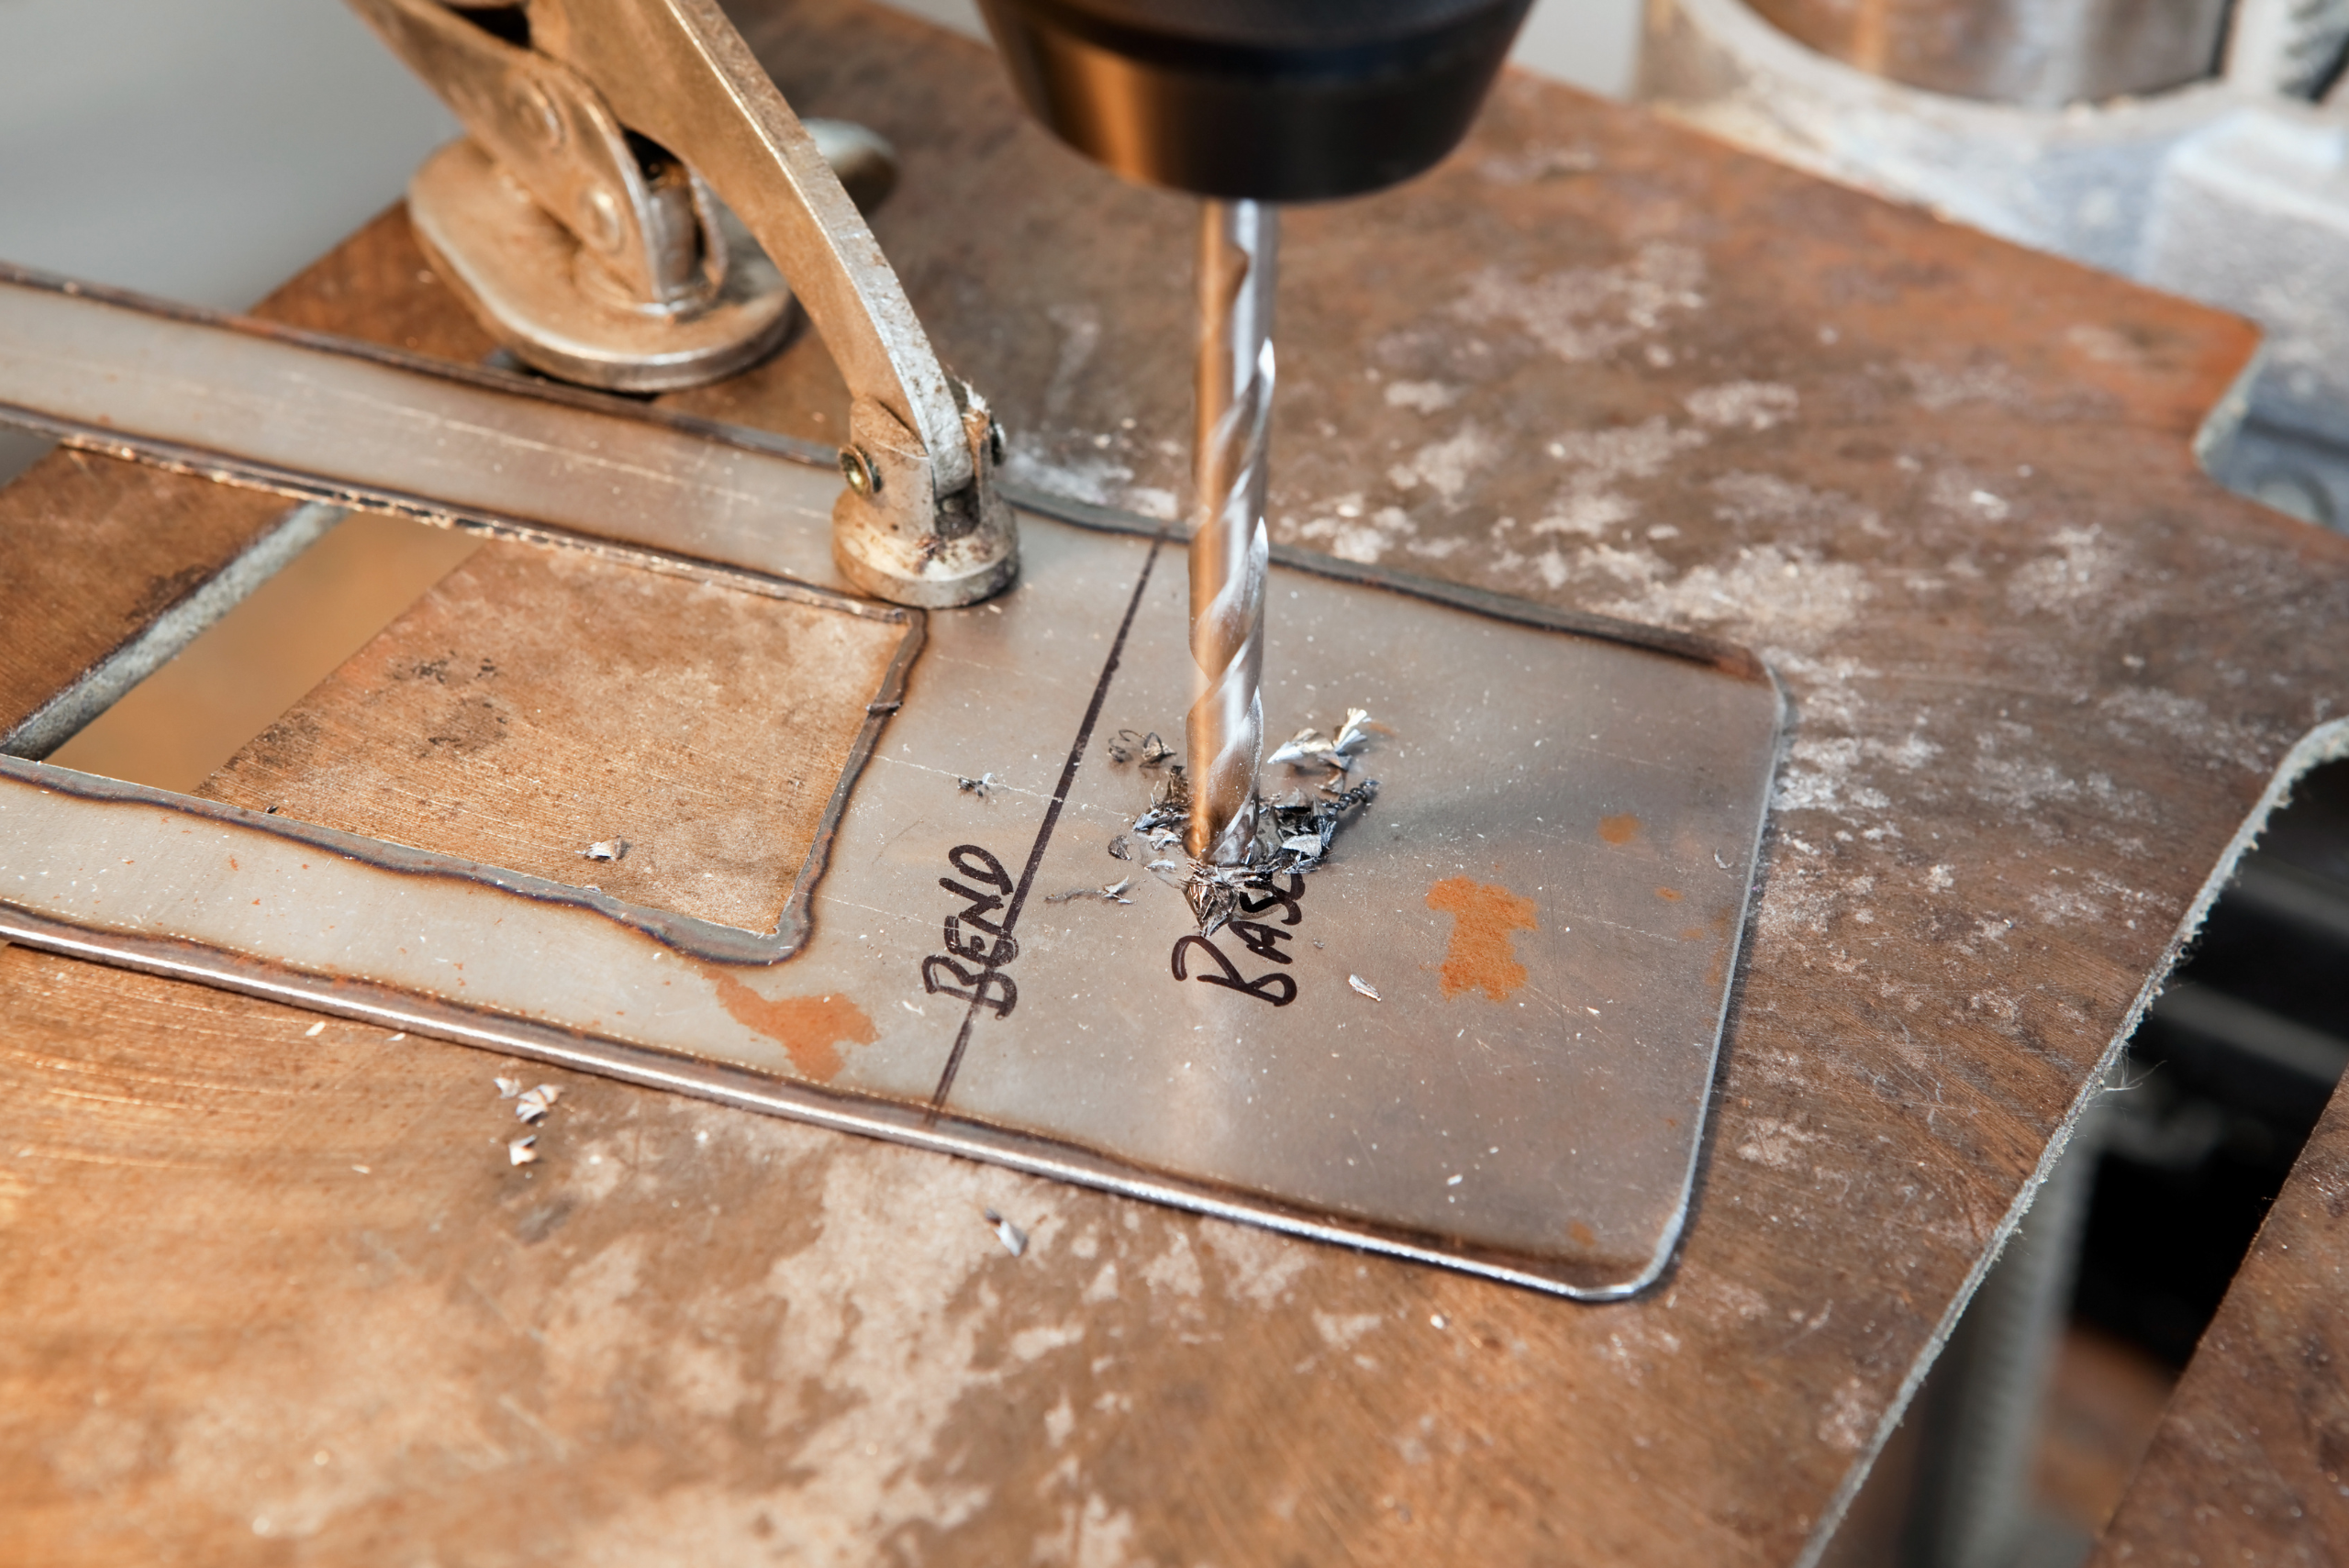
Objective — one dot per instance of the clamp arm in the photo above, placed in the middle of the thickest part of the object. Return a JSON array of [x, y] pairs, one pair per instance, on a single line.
[[921, 522]]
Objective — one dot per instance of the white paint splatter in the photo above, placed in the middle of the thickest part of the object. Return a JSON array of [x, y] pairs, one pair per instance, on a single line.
[[2085, 567], [1846, 1424], [1446, 466], [1751, 405], [1339, 1332], [1258, 1265], [1176, 1269], [1588, 313], [1599, 460], [1937, 387], [1767, 594], [1424, 396], [1777, 1144]]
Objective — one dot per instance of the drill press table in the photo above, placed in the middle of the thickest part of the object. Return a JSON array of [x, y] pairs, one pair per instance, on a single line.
[[2041, 670]]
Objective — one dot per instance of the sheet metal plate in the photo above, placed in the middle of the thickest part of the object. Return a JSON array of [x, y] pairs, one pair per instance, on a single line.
[[1583, 809], [1546, 898]]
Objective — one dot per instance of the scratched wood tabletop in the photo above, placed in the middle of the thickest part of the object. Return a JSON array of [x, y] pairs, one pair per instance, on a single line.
[[271, 1290]]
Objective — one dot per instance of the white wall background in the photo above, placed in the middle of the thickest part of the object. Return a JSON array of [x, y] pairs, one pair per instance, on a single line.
[[205, 149]]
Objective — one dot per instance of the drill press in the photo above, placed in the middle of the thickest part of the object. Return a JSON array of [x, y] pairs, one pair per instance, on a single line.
[[1248, 103]]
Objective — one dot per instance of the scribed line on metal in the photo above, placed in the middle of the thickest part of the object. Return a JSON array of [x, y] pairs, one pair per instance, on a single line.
[[1051, 813]]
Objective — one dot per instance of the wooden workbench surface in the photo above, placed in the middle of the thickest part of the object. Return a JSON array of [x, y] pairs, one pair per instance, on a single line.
[[270, 1295]]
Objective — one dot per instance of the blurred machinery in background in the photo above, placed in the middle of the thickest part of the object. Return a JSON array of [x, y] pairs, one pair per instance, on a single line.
[[2201, 146]]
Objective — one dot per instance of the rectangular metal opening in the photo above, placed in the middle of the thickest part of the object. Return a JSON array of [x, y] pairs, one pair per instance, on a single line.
[[671, 736]]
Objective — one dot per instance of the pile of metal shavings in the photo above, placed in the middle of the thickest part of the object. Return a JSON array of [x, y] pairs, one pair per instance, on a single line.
[[1310, 746], [1294, 829], [531, 1106]]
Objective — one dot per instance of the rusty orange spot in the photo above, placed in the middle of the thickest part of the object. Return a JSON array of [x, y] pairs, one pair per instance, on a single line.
[[1583, 1234], [1483, 916], [808, 1027], [1618, 829], [1694, 933], [1669, 894]]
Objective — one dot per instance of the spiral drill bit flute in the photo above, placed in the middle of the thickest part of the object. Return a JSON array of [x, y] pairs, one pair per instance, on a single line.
[[1247, 102], [1224, 735]]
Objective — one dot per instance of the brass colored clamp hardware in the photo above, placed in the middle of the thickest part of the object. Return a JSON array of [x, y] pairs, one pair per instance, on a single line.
[[629, 185]]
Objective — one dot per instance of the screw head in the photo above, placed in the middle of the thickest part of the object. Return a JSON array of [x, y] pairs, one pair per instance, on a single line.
[[858, 470]]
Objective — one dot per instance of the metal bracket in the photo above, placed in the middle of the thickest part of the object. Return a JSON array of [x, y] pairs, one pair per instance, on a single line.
[[584, 224]]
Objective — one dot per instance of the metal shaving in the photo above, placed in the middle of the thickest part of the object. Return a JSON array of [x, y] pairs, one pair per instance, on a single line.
[[1308, 747], [1118, 849], [983, 786], [508, 1087], [1112, 893], [537, 1103], [1126, 746], [605, 850], [1014, 1239], [1364, 986], [523, 1150], [1293, 832]]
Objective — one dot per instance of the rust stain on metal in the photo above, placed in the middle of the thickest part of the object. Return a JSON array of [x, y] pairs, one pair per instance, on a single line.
[[809, 1029], [1483, 914], [1670, 895], [1619, 830]]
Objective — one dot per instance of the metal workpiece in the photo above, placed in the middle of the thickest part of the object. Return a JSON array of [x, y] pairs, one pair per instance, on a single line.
[[1237, 276], [1479, 1036], [1541, 907], [627, 123]]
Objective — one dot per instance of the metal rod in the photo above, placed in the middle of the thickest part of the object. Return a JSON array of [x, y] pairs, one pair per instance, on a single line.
[[1224, 735]]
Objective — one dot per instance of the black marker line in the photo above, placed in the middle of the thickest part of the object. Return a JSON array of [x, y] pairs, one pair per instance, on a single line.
[[1051, 813]]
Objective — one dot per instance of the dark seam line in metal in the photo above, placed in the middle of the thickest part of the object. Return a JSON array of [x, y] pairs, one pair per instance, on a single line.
[[1052, 811]]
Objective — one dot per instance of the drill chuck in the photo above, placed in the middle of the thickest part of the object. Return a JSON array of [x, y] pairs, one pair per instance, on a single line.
[[1257, 100]]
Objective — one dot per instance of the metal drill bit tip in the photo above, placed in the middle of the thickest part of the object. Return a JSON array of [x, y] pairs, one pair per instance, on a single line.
[[1225, 732]]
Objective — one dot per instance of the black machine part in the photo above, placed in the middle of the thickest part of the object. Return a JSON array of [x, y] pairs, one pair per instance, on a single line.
[[1257, 100]]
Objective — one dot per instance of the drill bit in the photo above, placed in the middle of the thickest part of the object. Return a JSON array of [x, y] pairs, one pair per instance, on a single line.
[[1225, 734]]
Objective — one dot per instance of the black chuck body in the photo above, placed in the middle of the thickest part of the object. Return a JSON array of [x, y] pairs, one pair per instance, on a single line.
[[1257, 100]]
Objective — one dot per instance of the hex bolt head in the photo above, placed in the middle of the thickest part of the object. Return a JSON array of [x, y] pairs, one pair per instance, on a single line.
[[858, 470]]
